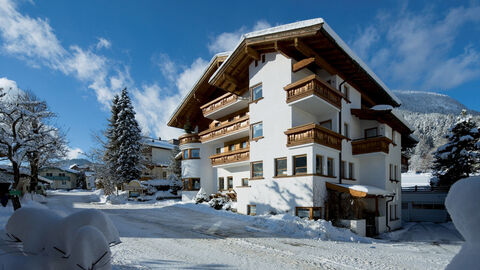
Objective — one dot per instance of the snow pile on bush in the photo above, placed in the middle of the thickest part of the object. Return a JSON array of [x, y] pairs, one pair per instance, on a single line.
[[463, 205], [201, 196], [79, 241], [220, 203]]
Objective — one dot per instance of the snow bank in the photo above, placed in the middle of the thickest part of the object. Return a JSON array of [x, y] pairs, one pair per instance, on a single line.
[[90, 249], [285, 224], [462, 203]]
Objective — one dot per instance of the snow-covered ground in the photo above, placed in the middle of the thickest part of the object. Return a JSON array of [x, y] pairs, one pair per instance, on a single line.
[[411, 179], [175, 235]]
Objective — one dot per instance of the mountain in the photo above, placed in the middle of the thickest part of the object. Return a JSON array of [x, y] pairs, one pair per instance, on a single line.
[[429, 102], [70, 162], [431, 115]]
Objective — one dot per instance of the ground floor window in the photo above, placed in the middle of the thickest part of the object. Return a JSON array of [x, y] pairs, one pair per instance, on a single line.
[[244, 182], [309, 212], [229, 182], [251, 210], [191, 184], [221, 183]]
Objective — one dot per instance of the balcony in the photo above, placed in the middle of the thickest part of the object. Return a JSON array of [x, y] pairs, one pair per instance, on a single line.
[[308, 92], [189, 138], [371, 145], [312, 133], [227, 131], [223, 105], [231, 157]]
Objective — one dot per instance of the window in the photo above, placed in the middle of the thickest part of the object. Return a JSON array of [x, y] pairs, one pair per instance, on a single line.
[[251, 210], [343, 168], [218, 150], [395, 172], [263, 58], [351, 169], [256, 130], [309, 212], [64, 182], [256, 92], [231, 147], [319, 165], [280, 166], [300, 164], [330, 167], [221, 183], [326, 124], [371, 132], [346, 90], [346, 130], [195, 153], [243, 144], [244, 182], [217, 124], [164, 175], [391, 171], [191, 184], [185, 154], [49, 174], [61, 174], [229, 182], [257, 169]]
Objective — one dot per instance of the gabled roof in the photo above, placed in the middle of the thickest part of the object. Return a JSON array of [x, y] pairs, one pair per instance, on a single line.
[[157, 143], [314, 39]]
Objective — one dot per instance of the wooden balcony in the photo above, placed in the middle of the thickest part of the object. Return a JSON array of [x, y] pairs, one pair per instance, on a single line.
[[218, 104], [228, 128], [231, 157], [313, 85], [189, 138], [312, 133], [371, 145]]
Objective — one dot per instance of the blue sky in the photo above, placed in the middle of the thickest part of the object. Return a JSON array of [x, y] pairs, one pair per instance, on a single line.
[[76, 55]]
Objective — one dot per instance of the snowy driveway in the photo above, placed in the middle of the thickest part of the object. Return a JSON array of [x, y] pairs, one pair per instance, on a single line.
[[171, 235]]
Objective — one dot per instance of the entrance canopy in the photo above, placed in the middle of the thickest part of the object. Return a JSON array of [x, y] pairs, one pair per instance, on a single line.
[[360, 191]]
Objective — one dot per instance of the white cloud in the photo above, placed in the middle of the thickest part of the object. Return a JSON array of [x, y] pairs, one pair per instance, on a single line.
[[74, 153], [34, 41], [166, 65], [103, 43], [418, 50], [228, 40]]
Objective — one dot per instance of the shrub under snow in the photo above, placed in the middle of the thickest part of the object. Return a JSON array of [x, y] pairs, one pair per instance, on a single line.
[[79, 241], [463, 203], [201, 196]]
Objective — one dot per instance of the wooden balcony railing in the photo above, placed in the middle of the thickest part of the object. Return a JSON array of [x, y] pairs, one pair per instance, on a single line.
[[231, 157], [218, 103], [312, 133], [225, 129], [313, 85], [371, 145], [189, 138]]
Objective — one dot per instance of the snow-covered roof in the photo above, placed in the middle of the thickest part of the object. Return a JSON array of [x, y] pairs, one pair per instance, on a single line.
[[304, 24], [197, 82], [157, 143], [65, 169], [157, 182], [360, 190]]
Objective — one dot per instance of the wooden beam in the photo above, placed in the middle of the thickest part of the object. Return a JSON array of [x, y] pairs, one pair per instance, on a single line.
[[281, 49], [252, 53], [309, 52], [229, 78], [303, 64]]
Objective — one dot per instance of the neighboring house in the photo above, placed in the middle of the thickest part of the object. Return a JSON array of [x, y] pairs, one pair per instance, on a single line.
[[156, 153], [90, 176], [291, 119], [424, 204], [6, 178], [63, 178]]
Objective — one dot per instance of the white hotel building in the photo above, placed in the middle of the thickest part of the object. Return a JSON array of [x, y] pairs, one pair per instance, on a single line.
[[293, 121]]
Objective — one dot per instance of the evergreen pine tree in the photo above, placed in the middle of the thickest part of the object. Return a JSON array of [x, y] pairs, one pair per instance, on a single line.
[[175, 170], [111, 152], [460, 156], [129, 145]]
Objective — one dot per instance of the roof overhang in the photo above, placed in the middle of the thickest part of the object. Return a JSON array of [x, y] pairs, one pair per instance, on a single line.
[[359, 191], [299, 41]]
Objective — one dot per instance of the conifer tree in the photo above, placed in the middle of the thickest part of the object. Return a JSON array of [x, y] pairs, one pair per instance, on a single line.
[[460, 156], [128, 141], [110, 157], [175, 170]]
